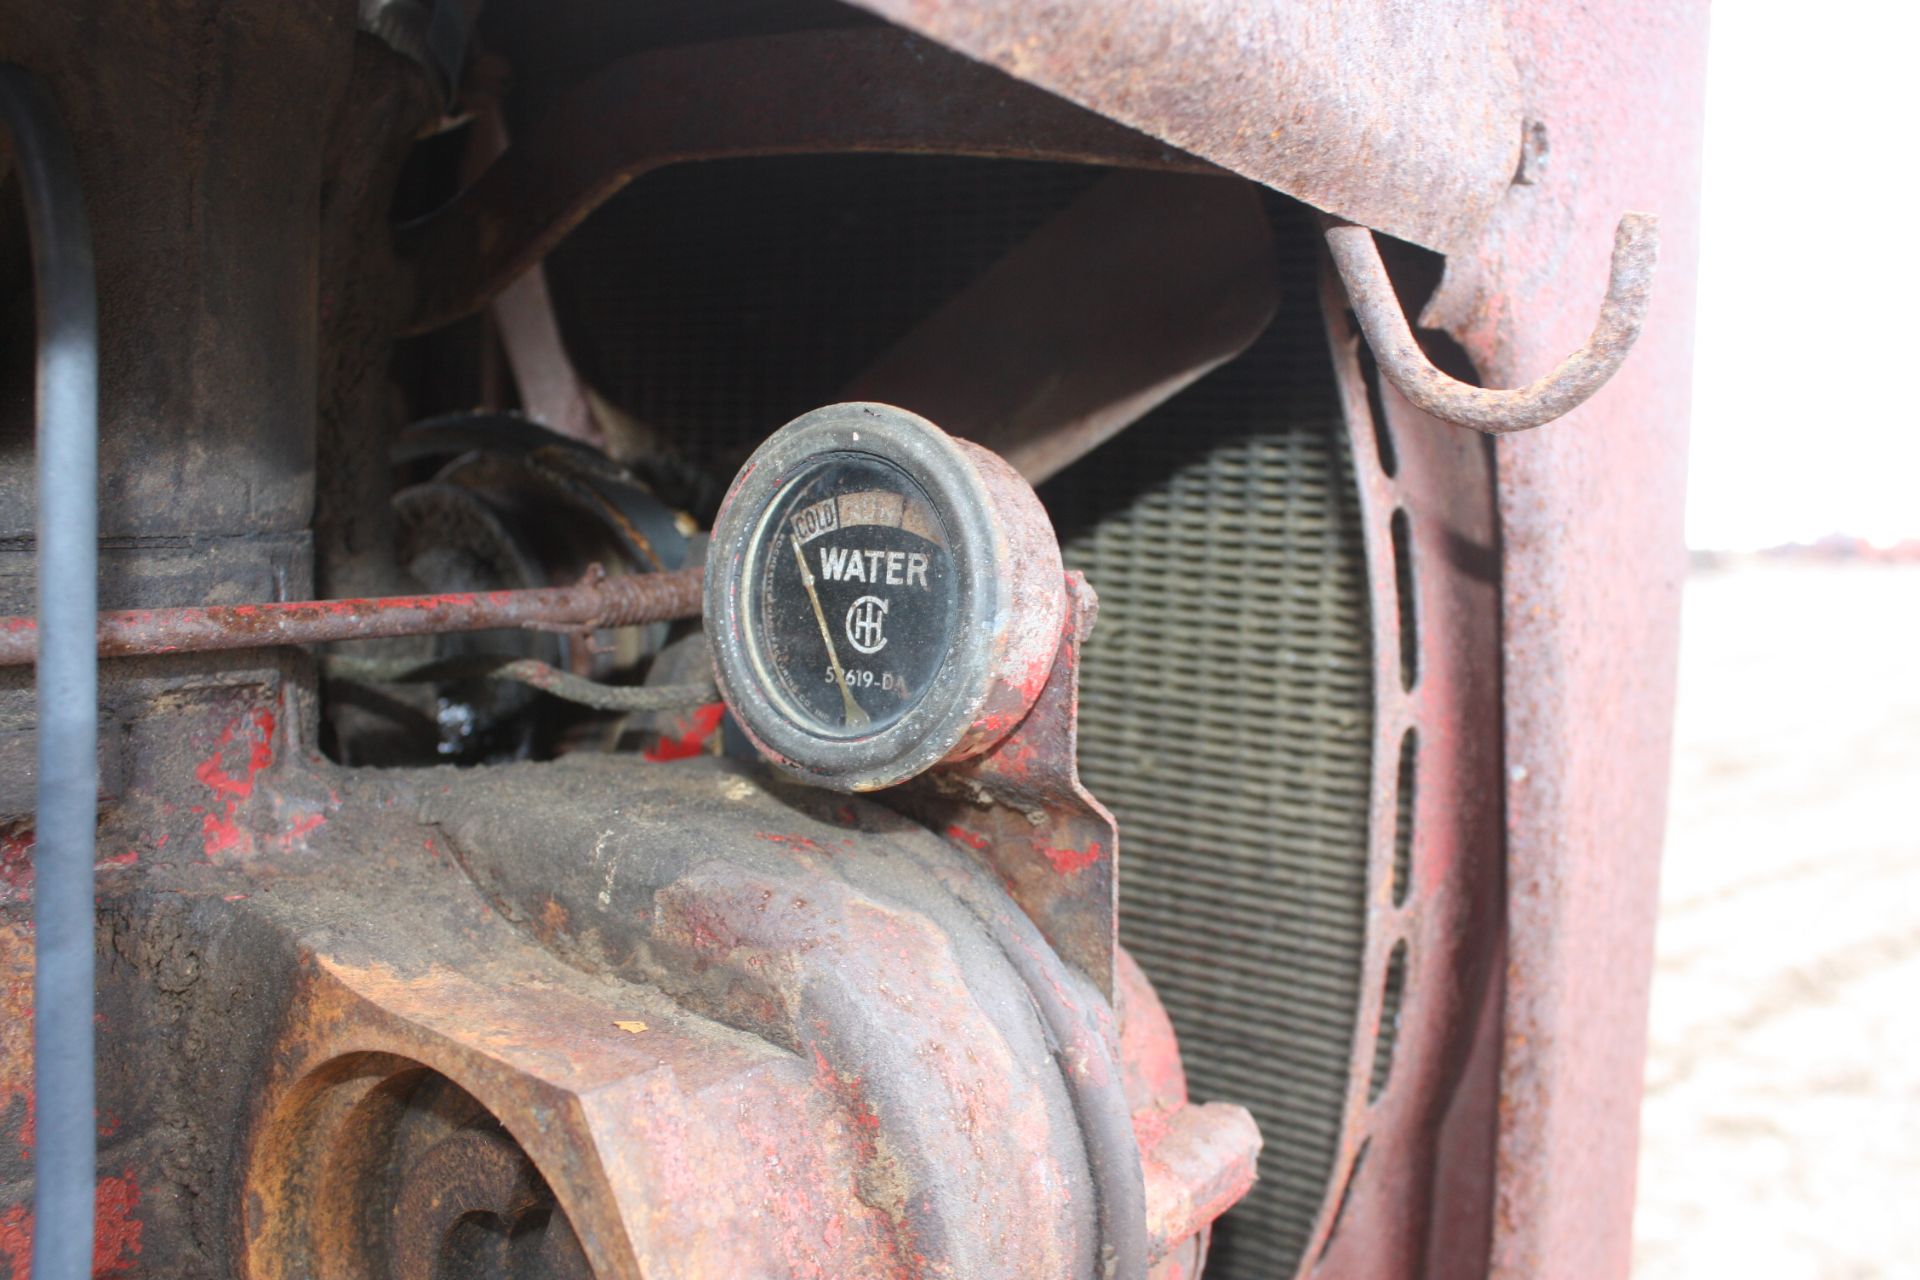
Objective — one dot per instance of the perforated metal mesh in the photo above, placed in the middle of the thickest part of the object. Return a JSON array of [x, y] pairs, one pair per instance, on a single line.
[[1226, 704], [1226, 719]]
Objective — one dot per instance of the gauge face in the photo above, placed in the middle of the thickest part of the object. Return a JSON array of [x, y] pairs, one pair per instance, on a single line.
[[880, 597], [853, 598]]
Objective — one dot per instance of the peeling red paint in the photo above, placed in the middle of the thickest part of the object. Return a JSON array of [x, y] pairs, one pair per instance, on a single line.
[[116, 1231], [1068, 861], [799, 842], [699, 727], [852, 1096], [16, 1241], [220, 832], [971, 839]]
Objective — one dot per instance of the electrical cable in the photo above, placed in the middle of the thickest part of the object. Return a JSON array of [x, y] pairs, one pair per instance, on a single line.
[[65, 684], [539, 675]]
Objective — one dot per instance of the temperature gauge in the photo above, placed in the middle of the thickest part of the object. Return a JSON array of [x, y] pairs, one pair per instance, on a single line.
[[880, 596]]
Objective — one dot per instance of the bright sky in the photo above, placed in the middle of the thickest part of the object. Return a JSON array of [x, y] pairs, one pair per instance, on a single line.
[[1804, 415]]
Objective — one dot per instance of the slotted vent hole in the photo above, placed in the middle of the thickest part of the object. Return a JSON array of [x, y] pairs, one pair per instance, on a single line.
[[1388, 1034], [1402, 530], [1376, 404], [1403, 798]]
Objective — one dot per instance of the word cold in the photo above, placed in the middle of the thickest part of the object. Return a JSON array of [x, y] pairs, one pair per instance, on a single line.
[[876, 568]]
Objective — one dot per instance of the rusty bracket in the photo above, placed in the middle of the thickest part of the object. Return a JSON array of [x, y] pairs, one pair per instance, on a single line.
[[1636, 248], [1021, 808]]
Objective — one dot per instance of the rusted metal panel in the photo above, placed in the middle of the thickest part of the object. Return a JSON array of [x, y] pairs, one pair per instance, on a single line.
[[1021, 807], [1401, 117], [1592, 560]]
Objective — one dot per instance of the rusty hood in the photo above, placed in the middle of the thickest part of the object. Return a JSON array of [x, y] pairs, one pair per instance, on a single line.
[[1406, 118]]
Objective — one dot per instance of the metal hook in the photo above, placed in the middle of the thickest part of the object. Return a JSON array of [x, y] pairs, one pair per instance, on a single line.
[[1636, 248]]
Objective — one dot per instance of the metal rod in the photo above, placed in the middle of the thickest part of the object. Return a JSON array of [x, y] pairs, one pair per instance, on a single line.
[[66, 386], [1636, 248], [597, 600]]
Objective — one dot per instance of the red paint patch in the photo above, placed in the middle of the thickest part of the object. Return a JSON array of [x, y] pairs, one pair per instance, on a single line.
[[864, 1122], [1068, 861], [971, 839], [775, 837], [696, 728], [253, 733], [116, 1232], [16, 1241]]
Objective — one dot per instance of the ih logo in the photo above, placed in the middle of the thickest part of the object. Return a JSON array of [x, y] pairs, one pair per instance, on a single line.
[[865, 623]]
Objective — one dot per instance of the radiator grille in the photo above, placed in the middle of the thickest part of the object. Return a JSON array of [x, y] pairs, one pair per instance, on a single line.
[[1227, 698], [1226, 717]]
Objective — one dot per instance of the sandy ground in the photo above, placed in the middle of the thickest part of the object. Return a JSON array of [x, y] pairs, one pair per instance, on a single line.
[[1781, 1134]]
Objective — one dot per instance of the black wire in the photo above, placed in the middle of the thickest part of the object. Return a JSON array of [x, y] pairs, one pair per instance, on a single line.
[[65, 684], [538, 675]]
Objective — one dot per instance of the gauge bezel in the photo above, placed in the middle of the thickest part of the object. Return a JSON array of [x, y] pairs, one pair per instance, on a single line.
[[1007, 614]]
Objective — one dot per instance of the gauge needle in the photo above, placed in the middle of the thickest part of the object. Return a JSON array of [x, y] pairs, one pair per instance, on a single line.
[[856, 714]]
